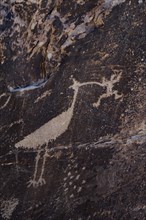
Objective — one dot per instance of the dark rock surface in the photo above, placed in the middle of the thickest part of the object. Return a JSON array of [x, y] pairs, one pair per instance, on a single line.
[[73, 110]]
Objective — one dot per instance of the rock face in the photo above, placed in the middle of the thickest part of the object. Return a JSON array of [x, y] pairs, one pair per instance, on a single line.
[[73, 110]]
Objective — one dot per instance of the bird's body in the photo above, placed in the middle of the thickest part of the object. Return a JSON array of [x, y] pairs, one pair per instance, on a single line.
[[50, 130]]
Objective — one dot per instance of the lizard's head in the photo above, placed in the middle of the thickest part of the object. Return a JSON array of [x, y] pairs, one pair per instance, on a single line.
[[75, 85]]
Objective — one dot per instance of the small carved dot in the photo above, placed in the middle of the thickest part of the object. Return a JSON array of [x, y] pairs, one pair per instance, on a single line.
[[71, 177], [69, 174], [79, 189], [78, 176], [64, 185], [72, 195], [84, 181]]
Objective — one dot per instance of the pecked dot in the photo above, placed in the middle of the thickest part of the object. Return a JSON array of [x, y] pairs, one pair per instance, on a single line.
[[69, 174], [79, 189], [64, 185], [84, 181], [75, 187], [71, 177], [77, 177], [72, 195]]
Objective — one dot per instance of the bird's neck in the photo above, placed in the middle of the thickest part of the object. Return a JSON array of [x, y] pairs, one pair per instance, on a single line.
[[74, 98]]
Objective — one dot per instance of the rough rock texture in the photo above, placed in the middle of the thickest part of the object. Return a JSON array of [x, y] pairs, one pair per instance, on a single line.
[[72, 109]]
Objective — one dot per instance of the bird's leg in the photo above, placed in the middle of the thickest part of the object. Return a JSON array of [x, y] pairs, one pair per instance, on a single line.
[[33, 182], [41, 180]]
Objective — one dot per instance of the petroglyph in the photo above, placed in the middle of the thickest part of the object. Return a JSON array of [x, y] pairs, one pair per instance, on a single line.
[[6, 127], [109, 89], [33, 182], [48, 132], [6, 102], [46, 93], [58, 125], [51, 130], [7, 207]]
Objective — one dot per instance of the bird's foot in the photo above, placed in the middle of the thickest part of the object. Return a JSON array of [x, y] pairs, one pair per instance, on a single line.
[[41, 181], [33, 183]]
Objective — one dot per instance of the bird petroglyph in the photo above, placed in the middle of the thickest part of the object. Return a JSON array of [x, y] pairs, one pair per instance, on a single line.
[[53, 129]]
